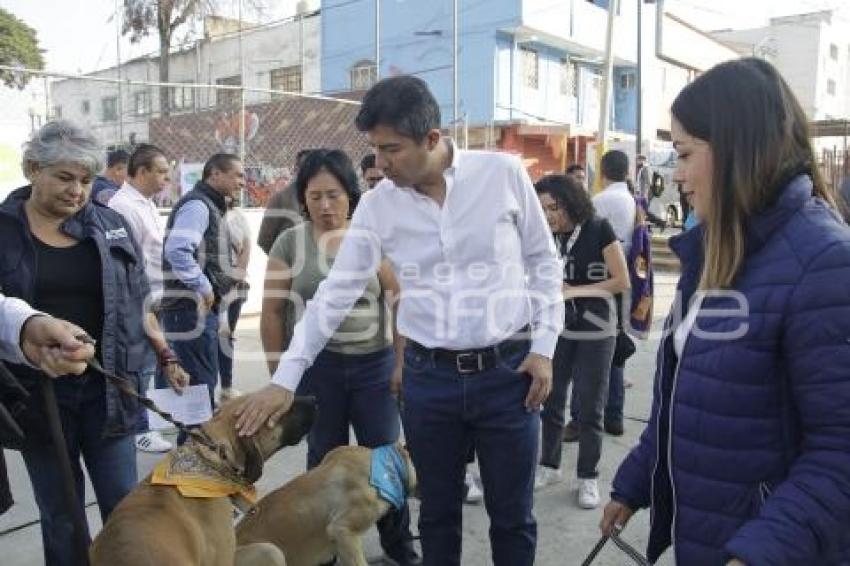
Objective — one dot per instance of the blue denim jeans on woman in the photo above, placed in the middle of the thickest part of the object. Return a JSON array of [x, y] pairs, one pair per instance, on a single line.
[[110, 462], [444, 414], [353, 391], [147, 373]]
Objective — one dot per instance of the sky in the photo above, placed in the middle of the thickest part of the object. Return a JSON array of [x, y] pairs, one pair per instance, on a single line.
[[80, 35]]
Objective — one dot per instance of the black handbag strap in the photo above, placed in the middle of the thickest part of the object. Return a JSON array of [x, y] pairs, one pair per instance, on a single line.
[[627, 549]]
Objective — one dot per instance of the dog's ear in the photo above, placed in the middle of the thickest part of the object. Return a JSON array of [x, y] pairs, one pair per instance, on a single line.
[[253, 466]]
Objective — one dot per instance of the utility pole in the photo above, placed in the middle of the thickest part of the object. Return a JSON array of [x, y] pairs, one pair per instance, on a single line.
[[378, 39], [639, 80], [118, 67], [454, 70], [301, 48], [241, 102], [605, 95]]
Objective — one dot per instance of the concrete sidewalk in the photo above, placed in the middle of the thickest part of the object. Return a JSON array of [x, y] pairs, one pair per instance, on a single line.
[[565, 533]]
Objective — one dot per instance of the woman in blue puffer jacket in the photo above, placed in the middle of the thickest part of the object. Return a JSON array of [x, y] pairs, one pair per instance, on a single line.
[[746, 459]]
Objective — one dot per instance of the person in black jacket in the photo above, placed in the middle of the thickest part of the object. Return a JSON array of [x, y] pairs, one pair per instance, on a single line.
[[77, 260], [198, 269]]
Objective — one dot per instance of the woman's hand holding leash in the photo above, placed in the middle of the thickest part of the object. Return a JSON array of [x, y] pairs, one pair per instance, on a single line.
[[615, 516]]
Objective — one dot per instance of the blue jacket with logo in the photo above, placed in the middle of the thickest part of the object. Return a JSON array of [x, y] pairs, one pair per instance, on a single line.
[[747, 453], [125, 286]]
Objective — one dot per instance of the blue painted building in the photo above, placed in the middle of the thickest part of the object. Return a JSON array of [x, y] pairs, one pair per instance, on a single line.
[[529, 69]]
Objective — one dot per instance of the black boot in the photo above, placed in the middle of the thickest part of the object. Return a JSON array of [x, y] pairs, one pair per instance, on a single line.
[[396, 540]]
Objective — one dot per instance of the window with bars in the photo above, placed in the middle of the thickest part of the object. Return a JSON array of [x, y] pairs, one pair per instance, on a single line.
[[568, 78], [363, 75], [228, 97], [530, 67], [564, 76], [141, 103], [109, 108], [286, 78], [181, 98]]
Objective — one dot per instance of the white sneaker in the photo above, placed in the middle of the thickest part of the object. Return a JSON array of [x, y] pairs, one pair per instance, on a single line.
[[228, 393], [588, 494], [546, 476], [152, 442], [474, 493]]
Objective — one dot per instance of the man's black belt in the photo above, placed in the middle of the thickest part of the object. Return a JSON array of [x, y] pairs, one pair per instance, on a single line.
[[475, 360]]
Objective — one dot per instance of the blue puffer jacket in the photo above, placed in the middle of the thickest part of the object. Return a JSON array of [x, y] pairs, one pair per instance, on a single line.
[[125, 286], [747, 453]]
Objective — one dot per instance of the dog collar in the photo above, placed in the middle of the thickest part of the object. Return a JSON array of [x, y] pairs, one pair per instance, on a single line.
[[196, 476]]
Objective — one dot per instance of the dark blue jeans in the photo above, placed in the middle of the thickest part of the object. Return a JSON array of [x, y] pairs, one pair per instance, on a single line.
[[225, 346], [444, 414], [110, 462], [195, 343], [616, 396], [148, 372], [354, 391]]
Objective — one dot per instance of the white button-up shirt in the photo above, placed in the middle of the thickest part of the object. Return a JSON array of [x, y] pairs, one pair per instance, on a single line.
[[617, 205], [141, 214], [13, 314], [472, 272]]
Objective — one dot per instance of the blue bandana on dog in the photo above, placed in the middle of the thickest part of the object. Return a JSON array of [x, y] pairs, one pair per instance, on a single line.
[[389, 475]]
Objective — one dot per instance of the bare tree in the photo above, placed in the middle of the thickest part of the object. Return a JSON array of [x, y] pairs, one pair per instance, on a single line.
[[142, 17]]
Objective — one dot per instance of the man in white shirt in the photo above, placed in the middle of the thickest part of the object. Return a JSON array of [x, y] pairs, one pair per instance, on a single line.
[[617, 204], [147, 174], [643, 177], [462, 230]]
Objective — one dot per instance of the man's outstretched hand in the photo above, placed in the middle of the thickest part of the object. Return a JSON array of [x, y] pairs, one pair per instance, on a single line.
[[263, 407]]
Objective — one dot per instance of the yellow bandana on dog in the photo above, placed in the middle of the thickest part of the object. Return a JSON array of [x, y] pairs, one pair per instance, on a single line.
[[196, 476]]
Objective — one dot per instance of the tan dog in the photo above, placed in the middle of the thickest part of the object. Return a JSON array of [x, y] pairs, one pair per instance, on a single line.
[[323, 513], [156, 525]]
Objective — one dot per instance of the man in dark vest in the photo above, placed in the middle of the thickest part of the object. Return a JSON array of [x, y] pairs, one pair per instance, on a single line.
[[197, 268]]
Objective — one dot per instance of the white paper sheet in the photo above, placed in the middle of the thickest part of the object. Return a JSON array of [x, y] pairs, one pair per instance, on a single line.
[[191, 408]]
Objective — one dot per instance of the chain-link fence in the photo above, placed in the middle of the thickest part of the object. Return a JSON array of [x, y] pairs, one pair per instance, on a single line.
[[190, 122], [834, 165]]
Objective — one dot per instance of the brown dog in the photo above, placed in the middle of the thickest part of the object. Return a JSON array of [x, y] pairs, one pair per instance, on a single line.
[[156, 525], [323, 513]]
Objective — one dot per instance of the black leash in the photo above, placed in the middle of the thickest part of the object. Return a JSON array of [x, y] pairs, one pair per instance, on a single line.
[[60, 449], [627, 549], [125, 387], [226, 466], [229, 469]]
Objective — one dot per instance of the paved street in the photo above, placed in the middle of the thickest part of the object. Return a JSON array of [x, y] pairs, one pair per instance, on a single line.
[[566, 533]]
